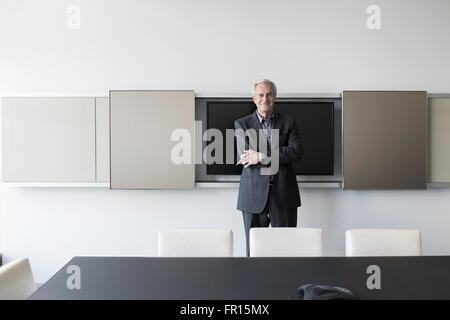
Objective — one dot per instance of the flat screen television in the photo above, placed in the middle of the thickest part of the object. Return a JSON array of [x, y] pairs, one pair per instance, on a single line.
[[315, 123]]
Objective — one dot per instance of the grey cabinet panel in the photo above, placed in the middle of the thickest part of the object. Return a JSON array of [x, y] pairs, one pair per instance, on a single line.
[[439, 140], [384, 139], [48, 139], [102, 138], [142, 124]]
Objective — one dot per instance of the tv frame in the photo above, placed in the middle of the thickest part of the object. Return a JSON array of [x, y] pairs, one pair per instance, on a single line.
[[201, 115]]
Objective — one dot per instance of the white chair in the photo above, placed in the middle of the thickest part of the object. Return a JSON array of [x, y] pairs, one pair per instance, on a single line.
[[382, 242], [286, 242], [195, 243], [16, 280]]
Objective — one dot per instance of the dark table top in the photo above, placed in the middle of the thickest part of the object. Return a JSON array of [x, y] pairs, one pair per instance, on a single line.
[[425, 277]]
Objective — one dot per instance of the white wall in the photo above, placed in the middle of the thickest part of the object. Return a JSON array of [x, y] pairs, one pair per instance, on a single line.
[[216, 47]]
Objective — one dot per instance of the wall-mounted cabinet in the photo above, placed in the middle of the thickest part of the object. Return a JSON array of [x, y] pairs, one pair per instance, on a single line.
[[439, 140], [384, 139], [54, 141], [142, 143], [102, 139], [48, 139]]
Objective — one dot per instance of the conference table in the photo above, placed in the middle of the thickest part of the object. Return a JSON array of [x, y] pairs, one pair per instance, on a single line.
[[275, 278]]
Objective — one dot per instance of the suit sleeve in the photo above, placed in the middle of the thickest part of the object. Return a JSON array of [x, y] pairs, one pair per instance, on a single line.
[[294, 150]]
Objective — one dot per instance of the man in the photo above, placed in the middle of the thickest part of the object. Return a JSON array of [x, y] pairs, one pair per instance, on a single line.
[[268, 198]]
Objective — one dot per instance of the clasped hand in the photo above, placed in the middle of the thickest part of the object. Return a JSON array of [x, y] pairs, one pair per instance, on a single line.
[[250, 157]]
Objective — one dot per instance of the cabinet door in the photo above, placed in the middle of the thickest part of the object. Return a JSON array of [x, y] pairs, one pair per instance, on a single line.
[[439, 141], [384, 139], [142, 125], [102, 138], [48, 139]]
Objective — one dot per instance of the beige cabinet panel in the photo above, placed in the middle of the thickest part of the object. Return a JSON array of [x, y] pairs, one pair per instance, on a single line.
[[48, 139], [439, 140], [102, 138], [142, 125], [384, 139]]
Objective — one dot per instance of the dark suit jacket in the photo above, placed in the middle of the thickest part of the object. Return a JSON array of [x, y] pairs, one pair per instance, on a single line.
[[254, 187]]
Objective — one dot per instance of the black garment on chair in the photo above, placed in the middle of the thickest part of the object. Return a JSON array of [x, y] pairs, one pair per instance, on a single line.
[[322, 292]]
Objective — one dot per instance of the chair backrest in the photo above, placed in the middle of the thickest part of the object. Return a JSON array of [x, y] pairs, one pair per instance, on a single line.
[[383, 242], [195, 243], [16, 280], [286, 242]]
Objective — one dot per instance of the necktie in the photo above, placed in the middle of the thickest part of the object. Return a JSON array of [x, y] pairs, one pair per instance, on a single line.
[[267, 124]]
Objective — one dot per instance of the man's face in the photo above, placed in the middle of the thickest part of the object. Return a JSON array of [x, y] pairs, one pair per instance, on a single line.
[[264, 98]]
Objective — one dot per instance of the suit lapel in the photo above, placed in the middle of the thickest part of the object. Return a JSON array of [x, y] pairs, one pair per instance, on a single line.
[[276, 120], [255, 122]]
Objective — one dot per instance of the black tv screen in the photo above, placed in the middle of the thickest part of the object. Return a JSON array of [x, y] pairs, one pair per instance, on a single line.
[[315, 123]]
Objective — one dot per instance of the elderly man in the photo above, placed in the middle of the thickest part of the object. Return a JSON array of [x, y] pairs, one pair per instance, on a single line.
[[268, 198]]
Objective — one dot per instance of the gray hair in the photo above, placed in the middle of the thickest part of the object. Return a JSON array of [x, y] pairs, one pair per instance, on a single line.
[[265, 81]]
